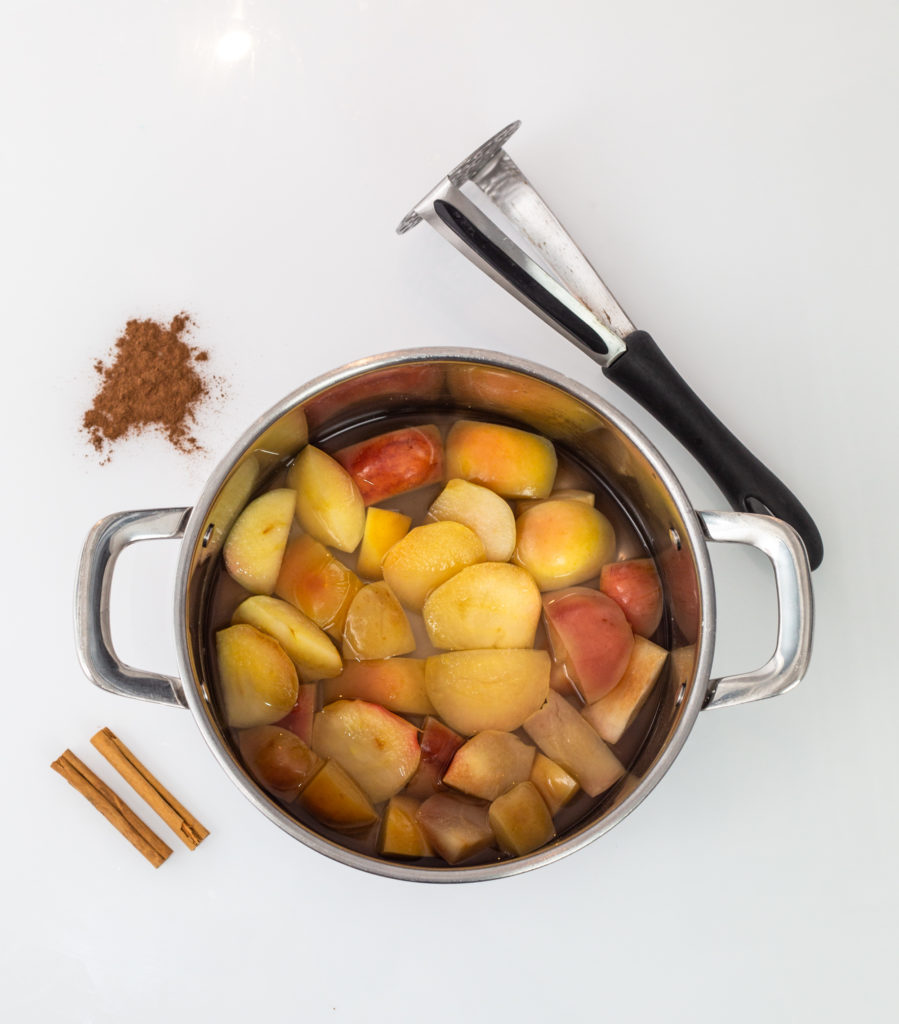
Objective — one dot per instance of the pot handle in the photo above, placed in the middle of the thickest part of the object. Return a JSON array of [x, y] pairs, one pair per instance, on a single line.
[[106, 541], [792, 578]]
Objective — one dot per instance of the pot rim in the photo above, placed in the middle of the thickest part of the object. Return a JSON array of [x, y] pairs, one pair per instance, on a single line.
[[705, 642]]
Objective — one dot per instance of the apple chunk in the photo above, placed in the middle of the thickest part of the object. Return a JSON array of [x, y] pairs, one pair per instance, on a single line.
[[490, 763], [481, 510], [635, 586], [512, 462], [438, 746], [376, 625], [426, 557], [329, 506], [563, 494], [279, 759], [398, 684], [401, 832], [334, 799], [255, 546], [307, 646], [456, 828], [615, 712], [378, 749], [562, 543], [259, 682], [395, 462], [563, 735], [383, 529], [553, 783], [591, 637], [520, 820], [317, 583], [488, 689], [491, 604]]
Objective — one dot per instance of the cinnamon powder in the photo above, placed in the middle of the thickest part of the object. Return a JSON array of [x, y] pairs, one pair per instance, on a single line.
[[152, 381]]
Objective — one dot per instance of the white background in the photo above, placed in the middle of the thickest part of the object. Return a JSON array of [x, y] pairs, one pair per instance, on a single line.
[[732, 170]]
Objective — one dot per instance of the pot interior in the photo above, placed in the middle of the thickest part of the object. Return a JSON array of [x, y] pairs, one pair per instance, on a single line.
[[384, 392]]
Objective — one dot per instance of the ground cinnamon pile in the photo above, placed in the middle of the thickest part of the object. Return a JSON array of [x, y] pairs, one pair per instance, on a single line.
[[152, 381]]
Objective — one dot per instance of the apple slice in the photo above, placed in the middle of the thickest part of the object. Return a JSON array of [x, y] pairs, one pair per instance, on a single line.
[[426, 557], [279, 759], [255, 546], [635, 586], [307, 646], [376, 625], [259, 682], [383, 529], [398, 684], [491, 689], [314, 581], [553, 783], [438, 746], [512, 462], [564, 494], [378, 749], [329, 506], [611, 715], [299, 719], [481, 510], [394, 463], [490, 763], [456, 828], [520, 820], [561, 543], [591, 637], [334, 799], [490, 604], [401, 832], [563, 735]]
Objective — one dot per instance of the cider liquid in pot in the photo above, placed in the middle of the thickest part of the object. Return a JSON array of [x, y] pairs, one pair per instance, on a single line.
[[225, 595]]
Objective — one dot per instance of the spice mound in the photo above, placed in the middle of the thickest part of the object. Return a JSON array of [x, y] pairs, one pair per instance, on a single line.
[[153, 380]]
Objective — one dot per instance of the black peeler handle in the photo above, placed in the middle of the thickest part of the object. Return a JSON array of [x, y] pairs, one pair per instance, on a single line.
[[645, 373]]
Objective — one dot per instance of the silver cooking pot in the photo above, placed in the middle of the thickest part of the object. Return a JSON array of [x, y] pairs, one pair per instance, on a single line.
[[489, 385]]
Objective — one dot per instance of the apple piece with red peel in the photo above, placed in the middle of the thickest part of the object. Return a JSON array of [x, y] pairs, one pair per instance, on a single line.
[[611, 716], [520, 820], [255, 545], [514, 463], [334, 799], [258, 681], [379, 750], [329, 506], [634, 584], [553, 783], [383, 528], [564, 494], [278, 759], [438, 746], [489, 689], [394, 463], [481, 510], [563, 736], [317, 583], [562, 543], [455, 827], [307, 646], [428, 556], [491, 604], [401, 833], [398, 684], [490, 763], [299, 719], [591, 637], [376, 625]]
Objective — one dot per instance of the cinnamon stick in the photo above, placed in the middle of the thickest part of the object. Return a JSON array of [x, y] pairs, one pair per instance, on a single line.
[[114, 809], [174, 814]]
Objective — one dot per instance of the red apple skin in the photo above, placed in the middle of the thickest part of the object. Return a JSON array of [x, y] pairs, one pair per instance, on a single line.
[[634, 585], [589, 632], [438, 746], [299, 720], [393, 463]]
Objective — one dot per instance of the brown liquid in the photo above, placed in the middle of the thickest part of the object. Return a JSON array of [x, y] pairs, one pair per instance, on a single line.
[[226, 595]]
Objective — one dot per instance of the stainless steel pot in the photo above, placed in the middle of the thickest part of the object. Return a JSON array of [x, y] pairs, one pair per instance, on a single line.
[[489, 385]]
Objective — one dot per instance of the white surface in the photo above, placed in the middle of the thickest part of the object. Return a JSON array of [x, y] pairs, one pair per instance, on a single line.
[[732, 170]]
